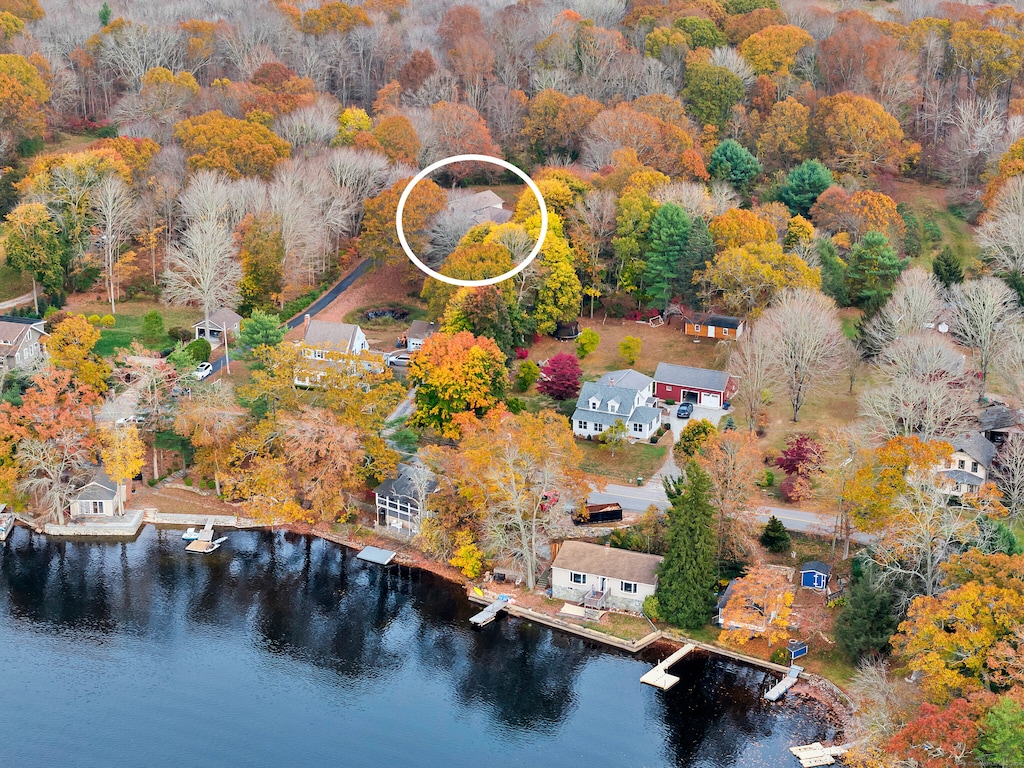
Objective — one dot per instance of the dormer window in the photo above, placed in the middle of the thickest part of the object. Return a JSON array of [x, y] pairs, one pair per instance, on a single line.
[[595, 403], [613, 406]]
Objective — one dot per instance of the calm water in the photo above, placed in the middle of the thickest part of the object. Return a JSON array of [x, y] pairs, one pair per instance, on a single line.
[[281, 650]]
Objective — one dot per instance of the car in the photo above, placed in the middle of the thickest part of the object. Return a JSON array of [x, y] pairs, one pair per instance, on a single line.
[[399, 358], [202, 371], [684, 411], [131, 420]]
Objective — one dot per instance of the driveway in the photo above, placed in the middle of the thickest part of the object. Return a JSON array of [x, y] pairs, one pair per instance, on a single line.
[[713, 415]]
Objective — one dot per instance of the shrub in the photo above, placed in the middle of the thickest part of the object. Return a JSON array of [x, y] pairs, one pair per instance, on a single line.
[[651, 608], [779, 656], [794, 488], [94, 319], [188, 481], [152, 326], [768, 480], [526, 375], [152, 481], [180, 334], [199, 350], [587, 342], [515, 405], [562, 377], [107, 321], [629, 349], [670, 401], [522, 353]]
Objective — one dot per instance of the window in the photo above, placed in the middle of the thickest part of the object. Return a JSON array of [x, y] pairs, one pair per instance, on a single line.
[[594, 403], [578, 578], [961, 464], [599, 427], [628, 587], [582, 425], [696, 327], [725, 331], [638, 427], [613, 406], [974, 467]]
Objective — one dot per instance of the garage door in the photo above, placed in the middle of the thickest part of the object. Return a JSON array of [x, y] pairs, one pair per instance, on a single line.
[[710, 401]]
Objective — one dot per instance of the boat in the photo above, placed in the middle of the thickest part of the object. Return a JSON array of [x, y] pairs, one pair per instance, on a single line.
[[204, 543], [6, 522], [190, 535]]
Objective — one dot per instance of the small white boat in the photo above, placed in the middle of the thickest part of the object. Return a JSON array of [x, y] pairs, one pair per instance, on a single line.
[[204, 543], [191, 534]]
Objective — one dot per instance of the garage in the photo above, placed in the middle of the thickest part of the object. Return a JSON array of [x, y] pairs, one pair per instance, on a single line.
[[680, 383]]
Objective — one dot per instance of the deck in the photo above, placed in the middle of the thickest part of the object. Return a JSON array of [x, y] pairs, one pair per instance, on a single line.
[[659, 676], [376, 555], [813, 755]]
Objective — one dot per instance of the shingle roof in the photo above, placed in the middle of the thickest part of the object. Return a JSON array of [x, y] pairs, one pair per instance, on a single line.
[[421, 329], [340, 336], [222, 318], [608, 561], [476, 202], [997, 417], [645, 414], [719, 321], [961, 476], [695, 378], [100, 488], [816, 565], [403, 484], [624, 397], [627, 378], [599, 417], [977, 446]]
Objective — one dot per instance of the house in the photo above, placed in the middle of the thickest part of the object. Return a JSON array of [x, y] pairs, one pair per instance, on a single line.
[[97, 497], [418, 332], [998, 421], [603, 576], [481, 207], [401, 500], [703, 386], [322, 336], [21, 342], [222, 320], [624, 396], [815, 575], [705, 326], [968, 467]]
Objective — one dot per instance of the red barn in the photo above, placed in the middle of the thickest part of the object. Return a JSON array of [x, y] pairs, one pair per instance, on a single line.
[[702, 386]]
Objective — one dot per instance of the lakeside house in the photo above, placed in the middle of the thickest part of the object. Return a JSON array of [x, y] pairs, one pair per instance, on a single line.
[[220, 321], [401, 500], [480, 207], [702, 386], [708, 326], [22, 342], [968, 466], [625, 396], [603, 576], [98, 497]]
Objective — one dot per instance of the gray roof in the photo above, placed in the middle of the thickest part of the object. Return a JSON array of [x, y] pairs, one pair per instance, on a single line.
[[977, 446], [627, 378], [339, 336], [599, 417], [645, 414], [608, 561], [100, 488], [625, 397], [719, 321], [695, 378], [478, 201], [222, 318], [421, 329], [14, 330], [997, 416], [961, 476], [403, 485], [816, 565]]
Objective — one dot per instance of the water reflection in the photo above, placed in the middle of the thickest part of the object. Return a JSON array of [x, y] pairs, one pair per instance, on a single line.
[[332, 640]]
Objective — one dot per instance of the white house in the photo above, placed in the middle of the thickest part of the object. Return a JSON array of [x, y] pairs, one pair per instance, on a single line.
[[603, 576], [620, 395], [325, 345], [21, 342], [481, 207], [401, 500], [419, 331], [98, 497], [220, 321], [969, 465]]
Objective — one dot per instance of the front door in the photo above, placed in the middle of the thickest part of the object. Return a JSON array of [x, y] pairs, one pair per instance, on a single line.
[[601, 584]]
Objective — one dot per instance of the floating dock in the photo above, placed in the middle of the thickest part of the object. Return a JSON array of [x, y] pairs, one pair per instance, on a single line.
[[376, 555], [776, 692], [6, 522], [659, 676], [813, 755], [204, 543], [490, 613]]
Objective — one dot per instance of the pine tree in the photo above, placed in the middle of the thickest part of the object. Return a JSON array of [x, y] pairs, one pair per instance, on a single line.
[[872, 271], [868, 621], [700, 249], [670, 230], [732, 162], [105, 14], [946, 267], [260, 328], [687, 576], [775, 537], [803, 185]]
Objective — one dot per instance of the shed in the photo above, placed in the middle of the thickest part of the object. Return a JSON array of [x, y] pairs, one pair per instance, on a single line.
[[797, 648], [815, 575], [713, 326]]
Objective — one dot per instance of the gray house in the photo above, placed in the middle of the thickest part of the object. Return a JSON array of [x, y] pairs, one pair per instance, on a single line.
[[603, 576], [220, 321], [21, 342], [98, 497], [419, 331], [481, 207], [625, 396], [401, 500]]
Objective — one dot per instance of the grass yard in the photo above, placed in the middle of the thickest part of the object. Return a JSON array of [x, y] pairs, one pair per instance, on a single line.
[[621, 625], [129, 323], [628, 463], [930, 202], [12, 282]]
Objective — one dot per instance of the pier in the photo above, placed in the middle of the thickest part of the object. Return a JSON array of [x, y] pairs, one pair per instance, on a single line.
[[776, 692], [659, 676], [813, 755], [490, 613]]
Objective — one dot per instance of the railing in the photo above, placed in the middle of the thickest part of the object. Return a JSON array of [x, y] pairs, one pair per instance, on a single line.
[[595, 599]]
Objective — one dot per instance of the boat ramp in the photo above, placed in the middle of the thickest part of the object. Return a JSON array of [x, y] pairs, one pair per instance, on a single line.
[[659, 676]]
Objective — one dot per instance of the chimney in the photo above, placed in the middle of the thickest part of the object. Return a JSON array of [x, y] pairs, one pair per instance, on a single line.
[[305, 324]]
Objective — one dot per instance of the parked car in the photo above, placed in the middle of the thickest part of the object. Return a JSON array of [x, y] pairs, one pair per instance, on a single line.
[[399, 359], [202, 371], [684, 411], [131, 420]]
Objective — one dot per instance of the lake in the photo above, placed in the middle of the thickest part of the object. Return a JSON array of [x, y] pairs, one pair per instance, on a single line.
[[284, 650]]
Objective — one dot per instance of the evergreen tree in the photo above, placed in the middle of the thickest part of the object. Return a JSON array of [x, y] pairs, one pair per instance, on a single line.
[[669, 233], [152, 327], [687, 576], [946, 267], [732, 162], [868, 620], [803, 185], [872, 270], [260, 328], [1002, 733], [105, 14], [699, 251], [833, 273], [775, 537]]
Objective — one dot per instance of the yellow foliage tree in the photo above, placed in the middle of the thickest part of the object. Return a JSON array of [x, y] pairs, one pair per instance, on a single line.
[[123, 455], [70, 347], [773, 50], [236, 147], [738, 226], [744, 280], [759, 605]]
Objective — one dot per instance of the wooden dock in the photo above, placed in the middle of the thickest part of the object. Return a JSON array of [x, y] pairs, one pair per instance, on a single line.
[[813, 755], [779, 689], [659, 676], [490, 613]]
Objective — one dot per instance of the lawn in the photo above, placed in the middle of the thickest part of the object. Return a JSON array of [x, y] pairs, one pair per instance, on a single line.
[[129, 323], [628, 463], [12, 282], [622, 626], [931, 202]]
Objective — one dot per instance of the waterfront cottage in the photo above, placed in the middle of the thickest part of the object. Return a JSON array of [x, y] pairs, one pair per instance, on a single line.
[[98, 497], [402, 500], [220, 321], [702, 386], [603, 576], [624, 396], [21, 342]]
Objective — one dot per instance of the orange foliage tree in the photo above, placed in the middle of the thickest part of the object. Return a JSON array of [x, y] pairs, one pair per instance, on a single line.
[[855, 134], [379, 238], [238, 148], [759, 605], [773, 50]]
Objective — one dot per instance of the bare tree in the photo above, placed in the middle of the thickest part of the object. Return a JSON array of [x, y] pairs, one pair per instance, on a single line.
[[983, 310], [878, 707], [909, 406], [691, 196], [448, 228], [807, 342], [203, 269], [116, 216], [1009, 362], [310, 129], [846, 451], [915, 304], [1009, 473], [751, 363], [53, 470], [1001, 235], [730, 59]]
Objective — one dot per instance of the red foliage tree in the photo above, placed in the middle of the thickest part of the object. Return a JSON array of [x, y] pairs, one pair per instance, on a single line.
[[802, 457], [939, 738], [560, 377]]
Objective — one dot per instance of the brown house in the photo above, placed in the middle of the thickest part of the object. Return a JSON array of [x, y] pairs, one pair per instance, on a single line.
[[713, 327]]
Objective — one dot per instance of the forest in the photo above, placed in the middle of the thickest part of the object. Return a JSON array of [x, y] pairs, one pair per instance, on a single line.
[[845, 177]]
